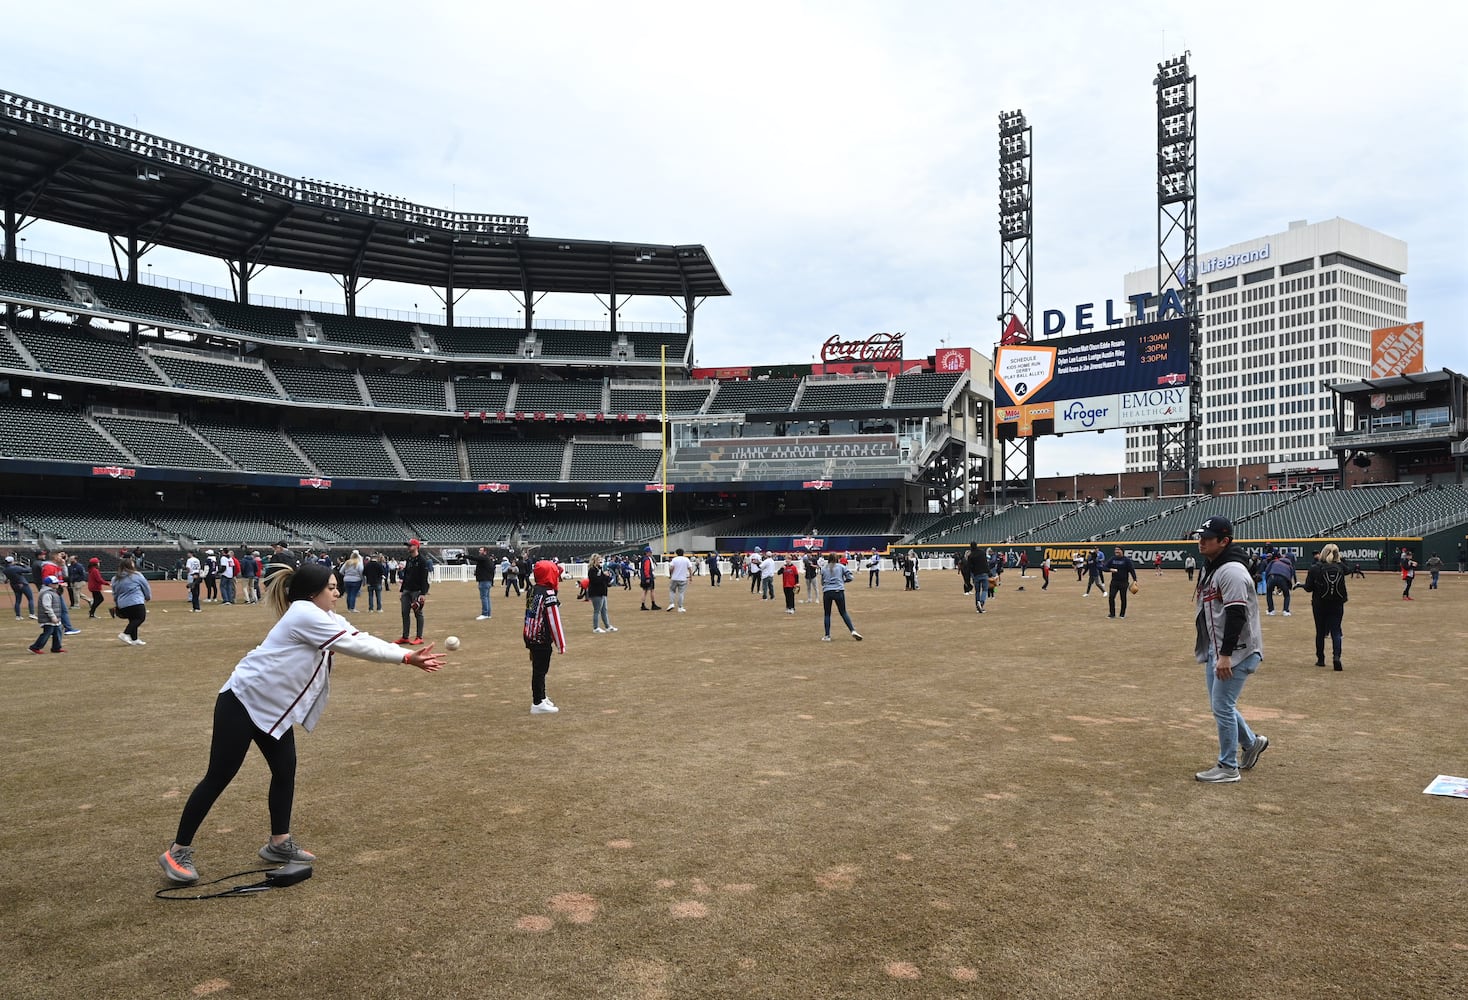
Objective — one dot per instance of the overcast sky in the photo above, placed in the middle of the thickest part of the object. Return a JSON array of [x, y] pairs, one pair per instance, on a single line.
[[838, 160]]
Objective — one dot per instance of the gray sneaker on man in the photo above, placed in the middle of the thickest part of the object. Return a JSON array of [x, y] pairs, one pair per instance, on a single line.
[[1250, 757], [1218, 775]]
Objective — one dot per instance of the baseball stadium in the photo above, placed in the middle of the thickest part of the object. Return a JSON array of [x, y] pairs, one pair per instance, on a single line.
[[958, 805]]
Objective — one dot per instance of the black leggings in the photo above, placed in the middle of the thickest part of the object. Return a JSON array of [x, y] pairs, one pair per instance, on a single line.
[[233, 734], [539, 666], [96, 603], [134, 615]]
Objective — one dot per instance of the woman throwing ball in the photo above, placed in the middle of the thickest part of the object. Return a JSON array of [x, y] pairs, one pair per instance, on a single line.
[[281, 682]]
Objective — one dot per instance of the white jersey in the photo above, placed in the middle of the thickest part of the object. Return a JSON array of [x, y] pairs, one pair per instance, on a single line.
[[284, 680], [679, 568]]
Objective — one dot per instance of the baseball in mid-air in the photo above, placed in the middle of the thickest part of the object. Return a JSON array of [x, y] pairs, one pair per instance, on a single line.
[[451, 643]]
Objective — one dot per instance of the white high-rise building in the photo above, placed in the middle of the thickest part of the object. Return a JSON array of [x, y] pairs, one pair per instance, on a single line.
[[1284, 315]]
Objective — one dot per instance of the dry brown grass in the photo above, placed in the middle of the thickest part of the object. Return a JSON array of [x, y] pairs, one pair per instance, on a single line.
[[958, 806]]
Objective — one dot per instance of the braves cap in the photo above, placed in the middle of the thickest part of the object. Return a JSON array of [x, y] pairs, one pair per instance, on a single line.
[[50, 581], [412, 542], [1216, 527]]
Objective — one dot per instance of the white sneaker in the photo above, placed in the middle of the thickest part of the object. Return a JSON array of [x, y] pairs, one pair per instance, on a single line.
[[125, 638], [1269, 613], [825, 638], [139, 642], [1288, 614], [599, 631], [681, 610], [611, 628], [856, 635], [481, 618], [543, 708]]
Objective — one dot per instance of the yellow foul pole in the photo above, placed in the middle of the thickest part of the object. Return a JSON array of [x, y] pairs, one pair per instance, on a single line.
[[663, 369]]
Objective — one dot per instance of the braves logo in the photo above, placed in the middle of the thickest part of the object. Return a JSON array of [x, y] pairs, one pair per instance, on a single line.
[[808, 543], [817, 484], [114, 471], [1176, 378], [317, 483], [494, 487]]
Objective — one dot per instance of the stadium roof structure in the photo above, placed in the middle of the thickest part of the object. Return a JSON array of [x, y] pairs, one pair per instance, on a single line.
[[1393, 383], [81, 171]]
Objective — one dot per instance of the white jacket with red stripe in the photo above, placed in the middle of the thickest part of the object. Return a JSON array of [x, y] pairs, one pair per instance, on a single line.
[[284, 681]]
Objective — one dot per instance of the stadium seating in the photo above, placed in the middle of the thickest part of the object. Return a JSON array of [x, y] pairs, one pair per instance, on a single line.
[[481, 395], [569, 528], [459, 529], [595, 344], [514, 459], [570, 396], [73, 523], [479, 341], [796, 522], [32, 281], [1415, 514], [348, 454], [643, 530], [9, 356], [160, 443], [927, 390], [647, 345], [144, 301], [348, 528], [852, 524], [363, 331], [217, 530], [69, 350], [682, 398], [1307, 514], [775, 395], [614, 463], [207, 376], [316, 384], [258, 321], [256, 449], [54, 433], [846, 394], [912, 524], [406, 392], [428, 456], [1087, 521]]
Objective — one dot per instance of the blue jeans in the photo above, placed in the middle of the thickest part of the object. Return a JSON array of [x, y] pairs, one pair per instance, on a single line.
[[354, 587], [226, 589], [981, 590], [29, 596], [485, 586], [374, 597], [1283, 585], [599, 612], [1223, 697]]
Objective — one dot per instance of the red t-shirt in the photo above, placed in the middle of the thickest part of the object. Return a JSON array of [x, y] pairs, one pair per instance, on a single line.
[[790, 575]]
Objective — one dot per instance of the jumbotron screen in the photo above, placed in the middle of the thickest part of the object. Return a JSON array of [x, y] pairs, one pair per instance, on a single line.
[[1135, 376]]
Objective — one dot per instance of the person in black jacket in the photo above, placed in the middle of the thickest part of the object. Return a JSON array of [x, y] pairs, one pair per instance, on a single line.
[[484, 578], [1123, 574], [976, 574], [373, 573], [1326, 585], [413, 591]]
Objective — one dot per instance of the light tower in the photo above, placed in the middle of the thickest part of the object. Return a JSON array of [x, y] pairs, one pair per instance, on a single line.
[[1016, 459], [1177, 254]]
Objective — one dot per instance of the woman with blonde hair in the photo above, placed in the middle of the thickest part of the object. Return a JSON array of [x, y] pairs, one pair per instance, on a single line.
[[281, 682], [1326, 585], [352, 572]]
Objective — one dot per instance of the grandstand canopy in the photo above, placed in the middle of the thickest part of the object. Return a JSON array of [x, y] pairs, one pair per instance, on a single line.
[[1393, 383], [81, 171]]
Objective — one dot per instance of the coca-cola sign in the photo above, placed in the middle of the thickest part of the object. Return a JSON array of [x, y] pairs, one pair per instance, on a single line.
[[877, 347]]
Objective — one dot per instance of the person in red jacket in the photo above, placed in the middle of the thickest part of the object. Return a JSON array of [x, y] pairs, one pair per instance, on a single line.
[[790, 580], [95, 583]]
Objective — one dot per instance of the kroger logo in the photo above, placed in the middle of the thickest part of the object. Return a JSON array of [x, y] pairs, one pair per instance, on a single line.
[[1085, 416]]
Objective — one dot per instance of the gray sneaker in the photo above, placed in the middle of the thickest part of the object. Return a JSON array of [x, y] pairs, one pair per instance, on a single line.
[[1250, 757], [287, 852], [1218, 775], [178, 864]]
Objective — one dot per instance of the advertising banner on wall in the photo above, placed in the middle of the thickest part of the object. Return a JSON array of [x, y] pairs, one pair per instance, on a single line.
[[1132, 362], [1397, 350], [1096, 413]]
